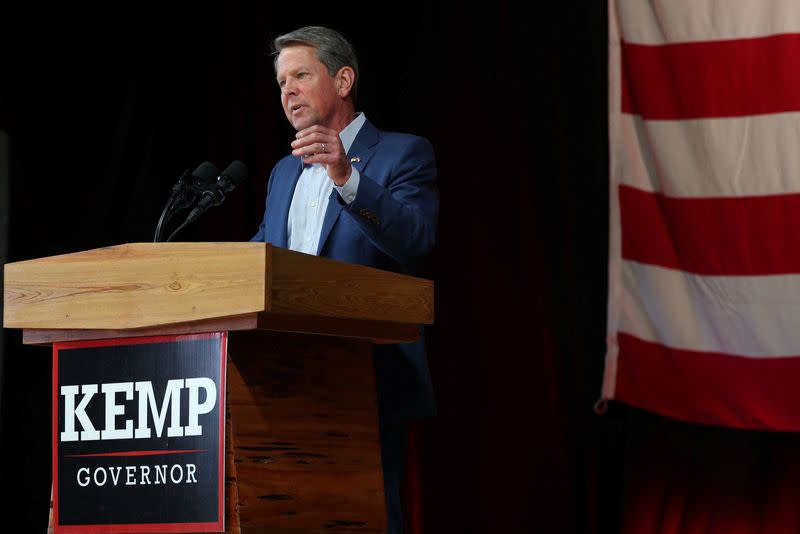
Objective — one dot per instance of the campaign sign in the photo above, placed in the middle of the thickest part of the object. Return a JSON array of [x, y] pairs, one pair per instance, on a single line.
[[138, 434]]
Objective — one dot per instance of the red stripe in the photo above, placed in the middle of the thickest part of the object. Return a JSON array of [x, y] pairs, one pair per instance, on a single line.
[[715, 236], [223, 359], [139, 528], [54, 430], [710, 388], [134, 453], [728, 78]]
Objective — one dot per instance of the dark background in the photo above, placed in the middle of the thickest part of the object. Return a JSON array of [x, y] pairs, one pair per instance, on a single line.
[[105, 107]]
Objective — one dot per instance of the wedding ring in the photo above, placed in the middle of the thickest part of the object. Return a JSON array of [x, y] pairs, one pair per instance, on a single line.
[[323, 147]]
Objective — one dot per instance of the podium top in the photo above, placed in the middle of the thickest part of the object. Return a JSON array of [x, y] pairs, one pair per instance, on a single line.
[[141, 285]]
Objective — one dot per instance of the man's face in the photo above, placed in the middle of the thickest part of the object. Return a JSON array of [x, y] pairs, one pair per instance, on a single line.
[[309, 95]]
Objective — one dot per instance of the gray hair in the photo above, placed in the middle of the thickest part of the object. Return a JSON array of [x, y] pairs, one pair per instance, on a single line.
[[333, 50]]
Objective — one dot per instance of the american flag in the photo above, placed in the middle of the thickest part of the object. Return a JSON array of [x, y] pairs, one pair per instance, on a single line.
[[704, 265]]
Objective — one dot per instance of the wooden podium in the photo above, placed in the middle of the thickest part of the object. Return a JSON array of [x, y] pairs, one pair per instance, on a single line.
[[302, 441]]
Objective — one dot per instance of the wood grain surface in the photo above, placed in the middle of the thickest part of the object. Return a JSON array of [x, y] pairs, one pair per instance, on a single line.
[[305, 431], [135, 285], [374, 331], [151, 285], [308, 285], [40, 336]]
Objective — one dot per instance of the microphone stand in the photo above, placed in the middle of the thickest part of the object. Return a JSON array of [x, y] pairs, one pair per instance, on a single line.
[[164, 212], [178, 229], [169, 205]]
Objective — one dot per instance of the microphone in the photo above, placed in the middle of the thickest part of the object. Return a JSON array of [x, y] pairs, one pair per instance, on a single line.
[[190, 186], [214, 194], [233, 175], [185, 192]]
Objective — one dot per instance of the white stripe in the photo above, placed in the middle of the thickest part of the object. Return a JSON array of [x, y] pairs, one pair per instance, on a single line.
[[614, 230], [742, 156], [756, 316], [677, 21]]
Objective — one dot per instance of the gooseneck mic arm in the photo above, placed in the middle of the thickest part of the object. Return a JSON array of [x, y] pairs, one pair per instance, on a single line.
[[181, 183], [185, 192]]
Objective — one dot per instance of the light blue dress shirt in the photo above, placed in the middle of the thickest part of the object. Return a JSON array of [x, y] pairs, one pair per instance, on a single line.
[[310, 199]]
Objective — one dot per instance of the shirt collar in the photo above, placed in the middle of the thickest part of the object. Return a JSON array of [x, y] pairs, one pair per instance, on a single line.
[[349, 133]]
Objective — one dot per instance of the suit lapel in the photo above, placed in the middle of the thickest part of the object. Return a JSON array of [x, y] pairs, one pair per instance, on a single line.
[[284, 201], [360, 152], [331, 216]]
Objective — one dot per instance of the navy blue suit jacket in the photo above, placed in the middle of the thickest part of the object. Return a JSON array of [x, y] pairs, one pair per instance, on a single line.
[[390, 225]]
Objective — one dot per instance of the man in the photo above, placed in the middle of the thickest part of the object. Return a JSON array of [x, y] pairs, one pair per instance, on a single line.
[[351, 192]]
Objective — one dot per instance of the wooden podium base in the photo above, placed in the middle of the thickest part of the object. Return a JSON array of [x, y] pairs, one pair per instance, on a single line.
[[304, 425], [302, 438]]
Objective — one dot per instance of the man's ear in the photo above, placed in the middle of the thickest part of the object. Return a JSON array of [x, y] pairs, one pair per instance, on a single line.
[[345, 79]]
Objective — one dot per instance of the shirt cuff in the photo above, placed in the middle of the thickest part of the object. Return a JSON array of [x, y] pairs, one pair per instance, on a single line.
[[350, 188]]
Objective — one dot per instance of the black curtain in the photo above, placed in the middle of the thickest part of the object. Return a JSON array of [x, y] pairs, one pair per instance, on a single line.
[[106, 107], [4, 218]]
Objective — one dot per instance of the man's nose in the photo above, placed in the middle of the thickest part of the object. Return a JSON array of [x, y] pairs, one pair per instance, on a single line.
[[289, 87]]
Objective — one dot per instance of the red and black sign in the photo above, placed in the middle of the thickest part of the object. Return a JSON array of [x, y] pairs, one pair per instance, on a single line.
[[138, 434]]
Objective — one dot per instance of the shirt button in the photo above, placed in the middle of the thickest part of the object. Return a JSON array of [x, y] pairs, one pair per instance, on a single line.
[[312, 204]]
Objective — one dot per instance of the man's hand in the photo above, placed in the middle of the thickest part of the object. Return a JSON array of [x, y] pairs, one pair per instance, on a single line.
[[317, 144]]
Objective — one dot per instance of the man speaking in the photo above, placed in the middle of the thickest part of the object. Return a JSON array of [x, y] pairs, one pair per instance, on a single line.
[[351, 192]]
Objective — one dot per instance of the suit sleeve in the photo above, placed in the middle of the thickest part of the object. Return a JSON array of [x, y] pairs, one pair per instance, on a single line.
[[400, 218]]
